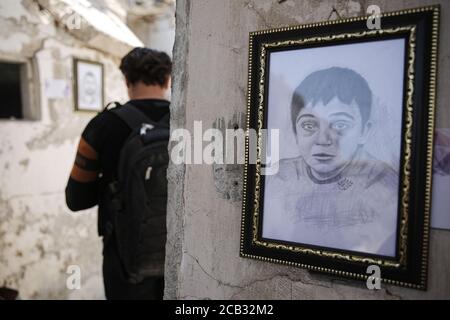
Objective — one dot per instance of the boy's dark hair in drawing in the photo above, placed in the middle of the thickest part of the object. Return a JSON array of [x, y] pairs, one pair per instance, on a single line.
[[324, 85]]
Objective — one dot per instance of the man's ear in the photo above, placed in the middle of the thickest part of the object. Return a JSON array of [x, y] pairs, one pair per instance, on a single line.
[[168, 83], [366, 133]]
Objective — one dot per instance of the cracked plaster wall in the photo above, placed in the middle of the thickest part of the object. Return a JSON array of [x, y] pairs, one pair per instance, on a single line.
[[210, 74], [39, 236]]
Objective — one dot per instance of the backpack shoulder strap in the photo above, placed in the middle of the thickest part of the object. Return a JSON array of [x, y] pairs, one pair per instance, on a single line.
[[131, 115], [165, 120]]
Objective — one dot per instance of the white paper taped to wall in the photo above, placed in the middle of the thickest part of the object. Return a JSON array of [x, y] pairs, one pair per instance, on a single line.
[[57, 88]]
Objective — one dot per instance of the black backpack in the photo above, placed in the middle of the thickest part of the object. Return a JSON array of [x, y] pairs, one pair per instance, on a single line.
[[139, 195]]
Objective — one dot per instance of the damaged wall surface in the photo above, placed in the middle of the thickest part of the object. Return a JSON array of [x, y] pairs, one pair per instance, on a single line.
[[209, 84], [39, 237]]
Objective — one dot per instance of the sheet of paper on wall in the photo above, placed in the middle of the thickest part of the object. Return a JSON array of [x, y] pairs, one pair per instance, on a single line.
[[440, 207], [57, 88]]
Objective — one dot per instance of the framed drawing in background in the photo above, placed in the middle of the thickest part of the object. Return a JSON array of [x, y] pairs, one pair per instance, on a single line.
[[351, 185], [88, 85]]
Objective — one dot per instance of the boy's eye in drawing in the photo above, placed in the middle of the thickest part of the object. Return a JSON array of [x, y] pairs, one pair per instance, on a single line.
[[341, 125], [309, 125]]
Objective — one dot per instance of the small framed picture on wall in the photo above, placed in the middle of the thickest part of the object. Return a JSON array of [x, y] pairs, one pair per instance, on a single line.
[[88, 85]]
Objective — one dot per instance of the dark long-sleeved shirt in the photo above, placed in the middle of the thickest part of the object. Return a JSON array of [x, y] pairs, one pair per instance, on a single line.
[[98, 155]]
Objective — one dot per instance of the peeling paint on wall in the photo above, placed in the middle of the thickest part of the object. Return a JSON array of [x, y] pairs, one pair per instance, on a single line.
[[39, 236]]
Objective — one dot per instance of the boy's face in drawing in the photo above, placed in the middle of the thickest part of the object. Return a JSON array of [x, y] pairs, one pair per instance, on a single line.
[[329, 135]]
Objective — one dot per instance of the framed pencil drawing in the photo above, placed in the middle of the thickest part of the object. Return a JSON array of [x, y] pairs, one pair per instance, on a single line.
[[354, 111], [88, 85]]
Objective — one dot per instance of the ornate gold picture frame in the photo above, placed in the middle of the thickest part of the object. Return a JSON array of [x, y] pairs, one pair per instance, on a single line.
[[353, 108]]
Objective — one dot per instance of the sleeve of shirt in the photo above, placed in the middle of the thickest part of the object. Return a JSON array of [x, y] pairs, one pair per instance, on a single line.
[[83, 184]]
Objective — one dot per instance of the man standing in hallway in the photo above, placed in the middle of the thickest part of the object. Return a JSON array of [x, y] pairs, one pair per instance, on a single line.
[[147, 74]]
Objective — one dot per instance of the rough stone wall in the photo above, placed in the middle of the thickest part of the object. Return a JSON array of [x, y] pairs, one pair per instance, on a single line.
[[211, 52], [39, 236]]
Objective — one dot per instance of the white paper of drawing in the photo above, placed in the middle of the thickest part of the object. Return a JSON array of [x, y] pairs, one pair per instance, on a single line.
[[89, 84], [356, 209]]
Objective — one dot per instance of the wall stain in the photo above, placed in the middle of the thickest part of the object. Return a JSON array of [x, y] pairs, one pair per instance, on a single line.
[[24, 163], [228, 178]]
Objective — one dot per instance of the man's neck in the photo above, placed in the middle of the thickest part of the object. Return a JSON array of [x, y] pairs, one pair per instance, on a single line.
[[141, 91]]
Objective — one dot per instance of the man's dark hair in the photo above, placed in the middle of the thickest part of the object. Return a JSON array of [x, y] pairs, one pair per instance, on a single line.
[[324, 85], [150, 66]]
